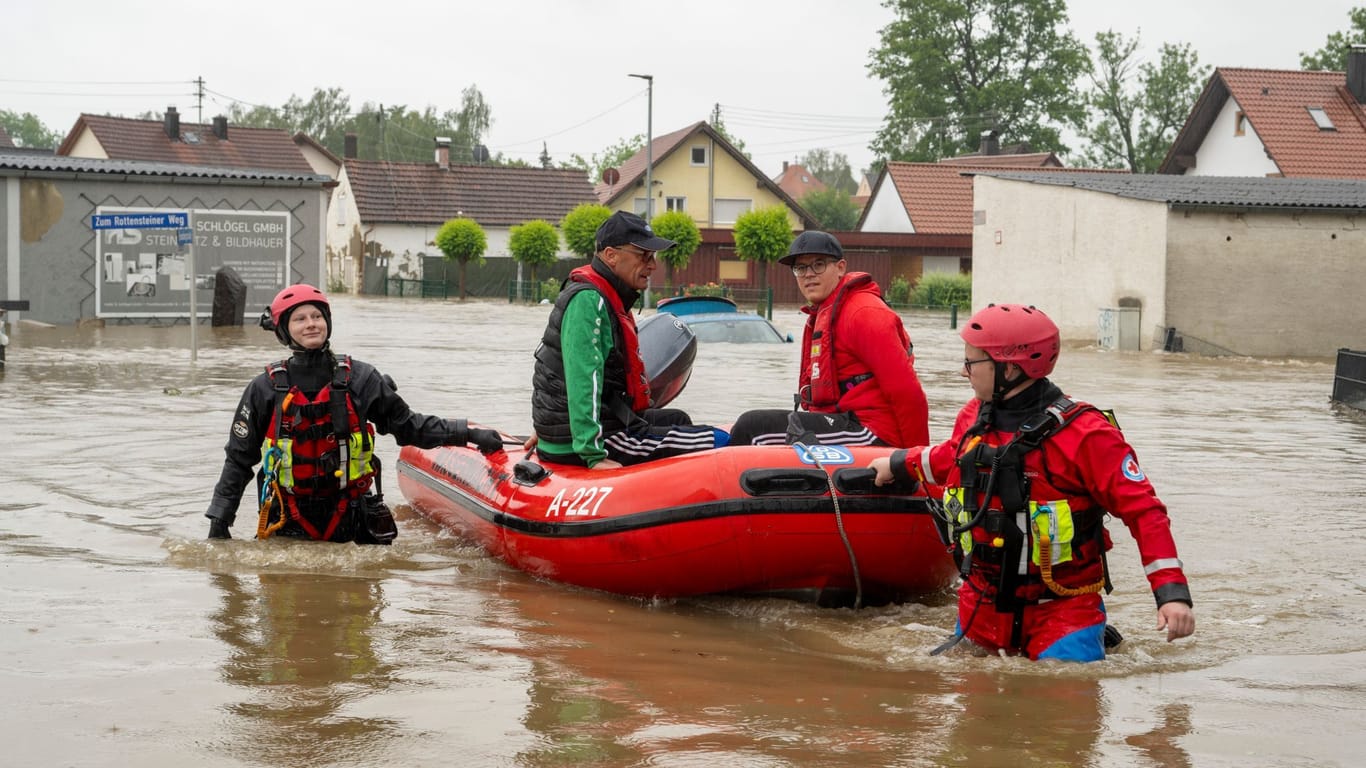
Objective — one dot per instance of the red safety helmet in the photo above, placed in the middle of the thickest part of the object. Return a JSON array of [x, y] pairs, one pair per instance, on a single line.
[[1015, 333], [289, 298]]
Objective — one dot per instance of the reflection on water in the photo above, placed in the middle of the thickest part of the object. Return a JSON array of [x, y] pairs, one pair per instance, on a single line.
[[130, 640], [301, 648]]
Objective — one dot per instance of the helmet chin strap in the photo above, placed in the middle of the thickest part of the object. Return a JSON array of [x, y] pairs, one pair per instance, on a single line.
[[1001, 385]]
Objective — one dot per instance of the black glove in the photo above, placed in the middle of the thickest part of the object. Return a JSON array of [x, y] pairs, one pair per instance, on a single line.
[[218, 529], [486, 440]]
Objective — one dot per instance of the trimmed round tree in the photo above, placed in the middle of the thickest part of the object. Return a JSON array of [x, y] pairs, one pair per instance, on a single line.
[[534, 243], [680, 228], [763, 236], [462, 240], [580, 226]]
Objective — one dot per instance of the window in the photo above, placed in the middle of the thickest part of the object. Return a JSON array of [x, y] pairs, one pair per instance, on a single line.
[[733, 270], [1239, 124], [675, 203], [639, 206], [806, 179], [699, 155], [726, 211], [1321, 119]]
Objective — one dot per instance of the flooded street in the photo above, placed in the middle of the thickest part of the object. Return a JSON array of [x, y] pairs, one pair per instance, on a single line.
[[130, 640]]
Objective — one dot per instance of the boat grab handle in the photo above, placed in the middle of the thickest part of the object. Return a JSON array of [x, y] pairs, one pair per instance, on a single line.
[[784, 482], [852, 482]]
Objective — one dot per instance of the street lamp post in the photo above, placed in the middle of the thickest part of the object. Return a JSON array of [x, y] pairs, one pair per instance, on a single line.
[[649, 158], [649, 144]]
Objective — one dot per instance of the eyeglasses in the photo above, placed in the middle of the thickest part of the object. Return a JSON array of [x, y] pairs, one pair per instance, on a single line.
[[967, 364], [645, 256], [814, 268]]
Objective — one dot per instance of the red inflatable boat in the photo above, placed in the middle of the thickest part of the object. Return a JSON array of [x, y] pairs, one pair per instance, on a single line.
[[777, 520]]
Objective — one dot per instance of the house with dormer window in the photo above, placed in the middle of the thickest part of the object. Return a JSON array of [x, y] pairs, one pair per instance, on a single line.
[[1276, 123]]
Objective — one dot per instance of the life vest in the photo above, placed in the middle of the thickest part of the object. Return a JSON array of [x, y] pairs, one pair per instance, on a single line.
[[1032, 538], [637, 384], [822, 388], [318, 453]]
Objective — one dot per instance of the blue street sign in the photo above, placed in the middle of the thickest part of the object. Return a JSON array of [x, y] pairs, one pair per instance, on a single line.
[[184, 236], [164, 220]]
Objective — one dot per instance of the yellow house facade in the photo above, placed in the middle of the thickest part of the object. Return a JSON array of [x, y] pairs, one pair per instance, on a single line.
[[697, 171]]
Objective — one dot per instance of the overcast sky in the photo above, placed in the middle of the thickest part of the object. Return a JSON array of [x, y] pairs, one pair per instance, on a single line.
[[789, 75]]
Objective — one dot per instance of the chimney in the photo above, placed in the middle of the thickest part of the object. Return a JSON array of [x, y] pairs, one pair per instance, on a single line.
[[1356, 72], [349, 147], [220, 128], [443, 152], [784, 166], [172, 124], [990, 144]]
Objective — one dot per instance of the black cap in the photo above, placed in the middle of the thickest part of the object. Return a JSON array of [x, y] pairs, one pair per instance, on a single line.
[[622, 228], [813, 242]]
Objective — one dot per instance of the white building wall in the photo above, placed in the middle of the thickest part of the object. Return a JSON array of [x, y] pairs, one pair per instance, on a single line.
[[886, 212], [1069, 252], [1223, 153]]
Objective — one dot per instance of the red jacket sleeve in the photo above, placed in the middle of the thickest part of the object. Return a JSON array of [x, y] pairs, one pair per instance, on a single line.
[[893, 405]]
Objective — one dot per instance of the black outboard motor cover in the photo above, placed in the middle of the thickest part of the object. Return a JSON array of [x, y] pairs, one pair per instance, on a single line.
[[668, 347]]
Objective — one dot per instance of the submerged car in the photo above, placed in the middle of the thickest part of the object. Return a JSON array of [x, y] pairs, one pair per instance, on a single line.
[[715, 318]]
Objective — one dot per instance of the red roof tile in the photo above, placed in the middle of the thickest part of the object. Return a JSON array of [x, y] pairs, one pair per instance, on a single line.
[[1025, 160], [797, 182], [126, 139], [425, 193], [938, 197], [1275, 104], [5, 140]]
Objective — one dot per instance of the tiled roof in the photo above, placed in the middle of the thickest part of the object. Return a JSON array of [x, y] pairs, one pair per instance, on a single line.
[[1208, 191], [796, 181], [39, 163], [1017, 160], [1275, 103], [425, 193], [633, 170], [126, 139], [938, 196], [5, 140]]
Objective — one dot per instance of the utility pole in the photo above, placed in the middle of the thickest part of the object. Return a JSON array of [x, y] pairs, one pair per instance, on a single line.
[[199, 96]]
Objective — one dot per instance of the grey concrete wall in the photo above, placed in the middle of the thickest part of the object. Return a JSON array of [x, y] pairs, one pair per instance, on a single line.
[[1268, 284], [54, 253]]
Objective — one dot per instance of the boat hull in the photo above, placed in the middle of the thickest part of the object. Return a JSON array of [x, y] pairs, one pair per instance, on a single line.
[[741, 520]]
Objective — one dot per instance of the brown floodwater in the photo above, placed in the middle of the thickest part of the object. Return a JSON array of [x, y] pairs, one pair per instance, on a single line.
[[128, 639]]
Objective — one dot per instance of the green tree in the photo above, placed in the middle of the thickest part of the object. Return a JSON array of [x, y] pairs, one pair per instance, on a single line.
[[534, 243], [27, 130], [462, 240], [580, 228], [954, 69], [763, 236], [611, 157], [1137, 109], [1333, 55], [832, 168], [679, 227], [833, 208]]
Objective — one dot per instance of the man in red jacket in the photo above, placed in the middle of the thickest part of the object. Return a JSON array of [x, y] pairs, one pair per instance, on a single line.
[[1027, 479], [857, 384]]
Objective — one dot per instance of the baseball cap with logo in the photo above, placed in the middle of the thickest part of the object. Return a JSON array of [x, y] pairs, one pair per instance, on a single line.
[[622, 228]]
